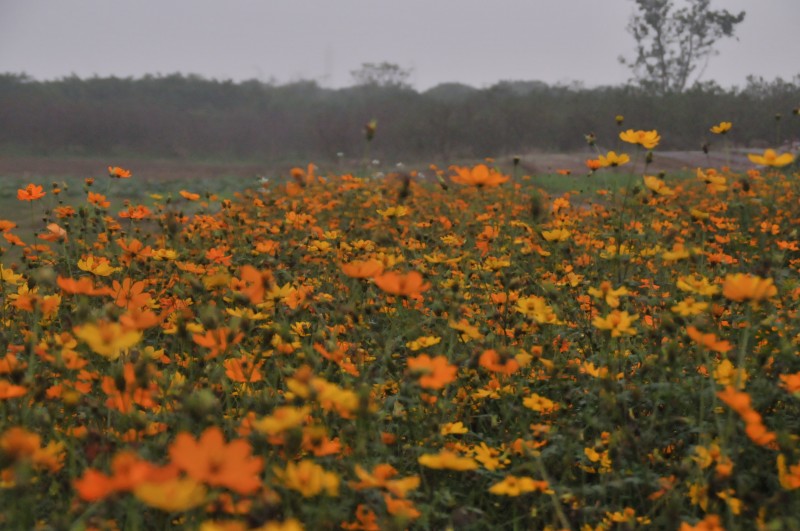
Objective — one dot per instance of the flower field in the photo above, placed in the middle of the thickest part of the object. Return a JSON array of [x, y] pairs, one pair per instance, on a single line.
[[465, 351]]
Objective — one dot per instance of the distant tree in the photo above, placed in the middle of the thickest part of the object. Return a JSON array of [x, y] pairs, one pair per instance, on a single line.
[[382, 75], [673, 46]]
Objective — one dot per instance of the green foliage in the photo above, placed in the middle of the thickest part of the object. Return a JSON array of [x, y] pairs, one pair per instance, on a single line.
[[180, 117]]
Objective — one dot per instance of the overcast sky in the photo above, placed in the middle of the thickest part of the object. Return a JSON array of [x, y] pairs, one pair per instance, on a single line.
[[478, 42]]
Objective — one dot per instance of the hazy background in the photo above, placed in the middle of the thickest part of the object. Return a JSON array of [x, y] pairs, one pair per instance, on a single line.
[[476, 42]]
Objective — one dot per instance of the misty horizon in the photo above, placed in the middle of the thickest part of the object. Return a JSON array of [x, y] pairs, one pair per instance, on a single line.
[[576, 41]]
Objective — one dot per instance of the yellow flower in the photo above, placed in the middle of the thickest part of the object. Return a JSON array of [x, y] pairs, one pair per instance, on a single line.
[[697, 284], [468, 332], [698, 495], [678, 252], [173, 495], [556, 235], [726, 374], [715, 181], [423, 342], [607, 292], [646, 139], [613, 160], [657, 185], [453, 428], [108, 339], [97, 266], [308, 478], [490, 458], [394, 212], [617, 322], [447, 460], [772, 159], [537, 308], [539, 403], [8, 275], [689, 307], [290, 524], [282, 419], [332, 397], [722, 128], [734, 503], [514, 486]]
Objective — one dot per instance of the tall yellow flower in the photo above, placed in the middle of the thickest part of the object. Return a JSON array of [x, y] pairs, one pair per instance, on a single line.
[[657, 185], [617, 322], [447, 460], [516, 485], [646, 139], [772, 159], [308, 478], [108, 339], [613, 160], [722, 128]]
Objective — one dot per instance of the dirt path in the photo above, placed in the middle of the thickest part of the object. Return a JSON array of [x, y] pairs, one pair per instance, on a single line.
[[155, 170]]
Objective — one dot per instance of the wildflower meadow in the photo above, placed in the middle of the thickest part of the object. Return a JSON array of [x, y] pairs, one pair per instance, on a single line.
[[454, 348]]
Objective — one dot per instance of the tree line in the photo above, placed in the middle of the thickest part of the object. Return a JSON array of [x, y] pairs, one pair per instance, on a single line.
[[189, 117]]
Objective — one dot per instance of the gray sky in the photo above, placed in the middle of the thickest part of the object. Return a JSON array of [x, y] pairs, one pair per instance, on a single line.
[[469, 41]]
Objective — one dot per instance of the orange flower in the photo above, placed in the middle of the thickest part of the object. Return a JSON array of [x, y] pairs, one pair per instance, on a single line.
[[189, 195], [9, 390], [118, 173], [736, 400], [32, 192], [255, 283], [128, 472], [742, 287], [98, 200], [365, 520], [363, 268], [82, 286], [130, 294], [593, 164], [791, 382], [400, 508], [217, 255], [479, 176], [136, 212], [54, 233], [490, 360], [789, 478], [381, 478], [210, 460], [218, 341], [6, 225], [436, 372], [711, 522], [243, 370], [406, 285], [708, 341]]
